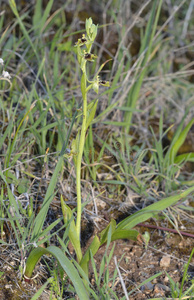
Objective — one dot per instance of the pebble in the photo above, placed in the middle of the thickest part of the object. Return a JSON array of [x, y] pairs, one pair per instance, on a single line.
[[159, 292], [165, 261], [166, 279], [163, 287], [147, 286]]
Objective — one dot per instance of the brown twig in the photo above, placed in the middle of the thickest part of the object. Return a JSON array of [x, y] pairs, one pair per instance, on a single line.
[[166, 229]]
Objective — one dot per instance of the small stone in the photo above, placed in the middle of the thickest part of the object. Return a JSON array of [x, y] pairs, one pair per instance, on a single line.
[[163, 287], [166, 279], [151, 266], [181, 245], [165, 261], [149, 286], [8, 286], [158, 291]]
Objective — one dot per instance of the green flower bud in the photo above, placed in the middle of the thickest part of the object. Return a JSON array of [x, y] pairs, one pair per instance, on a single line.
[[91, 29], [95, 86], [88, 25]]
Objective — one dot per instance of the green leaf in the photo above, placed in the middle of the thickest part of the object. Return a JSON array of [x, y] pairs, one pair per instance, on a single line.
[[184, 157], [104, 234], [113, 182], [124, 234], [149, 211], [91, 114], [23, 185], [93, 248], [179, 141], [75, 240], [11, 178], [66, 210], [65, 263]]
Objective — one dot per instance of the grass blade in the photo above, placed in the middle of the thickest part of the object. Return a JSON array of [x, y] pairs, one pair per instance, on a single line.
[[41, 290], [40, 218], [146, 47], [15, 11]]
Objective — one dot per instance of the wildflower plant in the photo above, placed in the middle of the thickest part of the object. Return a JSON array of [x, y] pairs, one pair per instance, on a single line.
[[77, 271], [88, 113]]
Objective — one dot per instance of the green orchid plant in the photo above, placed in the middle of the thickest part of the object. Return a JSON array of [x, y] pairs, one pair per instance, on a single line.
[[111, 233], [84, 56], [122, 230]]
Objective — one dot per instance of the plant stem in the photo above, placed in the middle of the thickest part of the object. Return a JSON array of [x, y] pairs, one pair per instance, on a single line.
[[80, 153]]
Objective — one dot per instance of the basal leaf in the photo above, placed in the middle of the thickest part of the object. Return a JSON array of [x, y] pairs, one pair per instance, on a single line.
[[65, 263]]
